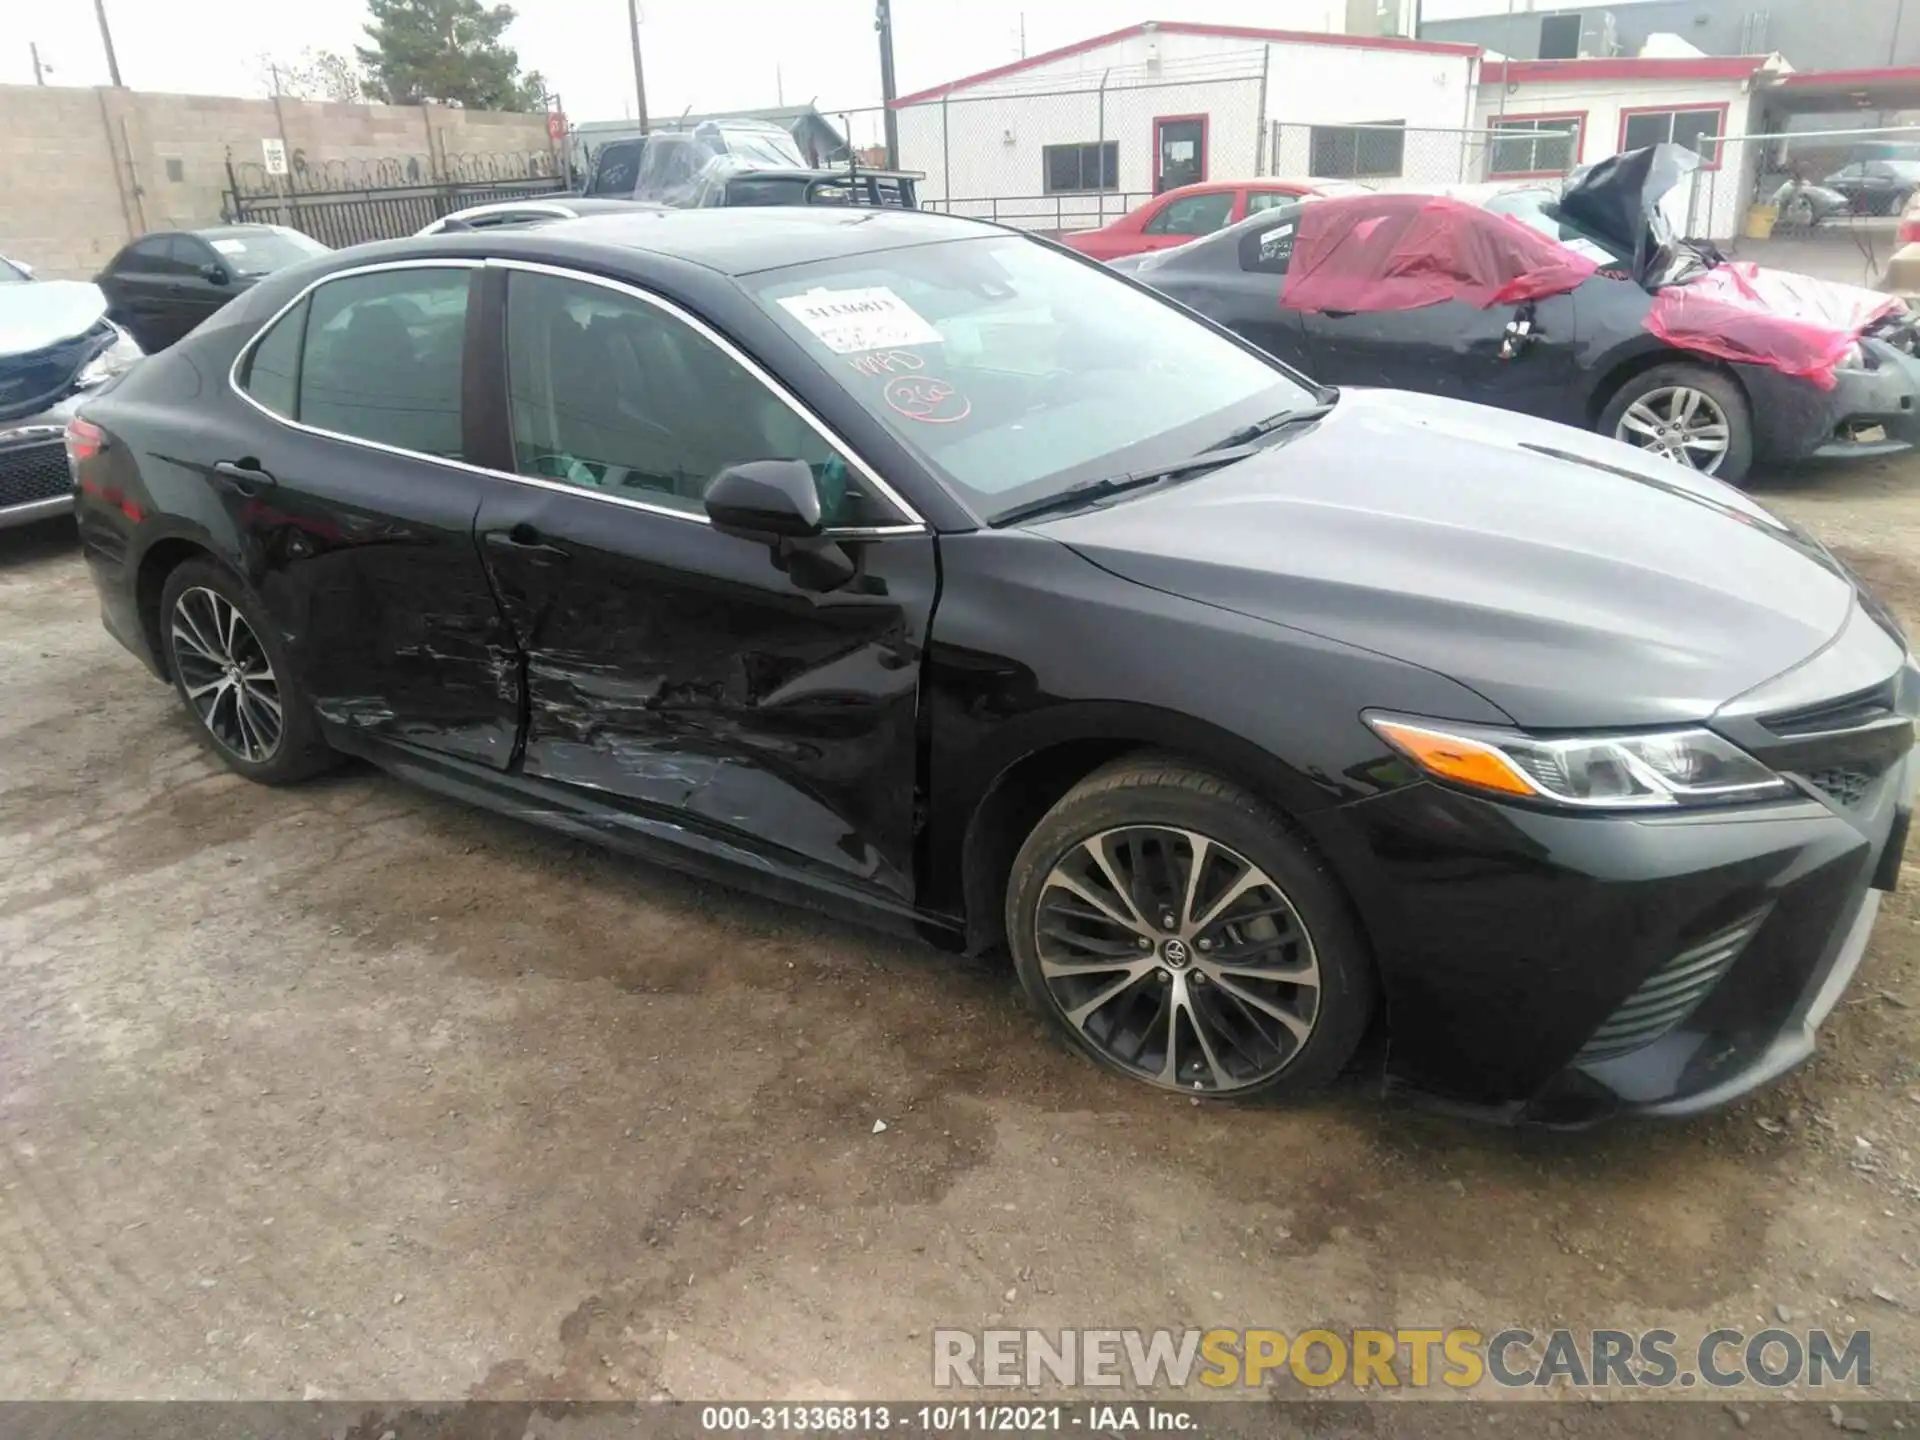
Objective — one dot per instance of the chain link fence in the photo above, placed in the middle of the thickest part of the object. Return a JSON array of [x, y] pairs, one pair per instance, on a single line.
[[1828, 201]]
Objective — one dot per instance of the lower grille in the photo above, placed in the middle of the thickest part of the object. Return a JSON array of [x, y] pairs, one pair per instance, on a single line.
[[1669, 995], [1845, 785], [34, 472]]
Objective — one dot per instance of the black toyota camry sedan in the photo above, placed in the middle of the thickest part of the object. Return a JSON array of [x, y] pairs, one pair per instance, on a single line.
[[911, 567]]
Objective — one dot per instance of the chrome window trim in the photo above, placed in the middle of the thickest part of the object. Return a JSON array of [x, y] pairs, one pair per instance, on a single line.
[[746, 362], [914, 525]]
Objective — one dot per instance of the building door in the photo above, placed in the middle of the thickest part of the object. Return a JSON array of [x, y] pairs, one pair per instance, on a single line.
[[1179, 150]]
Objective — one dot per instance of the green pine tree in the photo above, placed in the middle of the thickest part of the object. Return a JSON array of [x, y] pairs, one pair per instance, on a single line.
[[447, 51]]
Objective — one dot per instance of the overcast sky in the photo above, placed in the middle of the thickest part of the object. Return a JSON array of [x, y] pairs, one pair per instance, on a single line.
[[700, 54]]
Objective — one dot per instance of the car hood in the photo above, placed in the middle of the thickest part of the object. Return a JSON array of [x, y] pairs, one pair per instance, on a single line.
[[45, 312], [1566, 578]]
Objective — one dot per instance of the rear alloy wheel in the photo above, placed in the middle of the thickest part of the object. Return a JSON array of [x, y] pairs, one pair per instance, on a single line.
[[1688, 414], [234, 677], [1168, 926], [226, 676]]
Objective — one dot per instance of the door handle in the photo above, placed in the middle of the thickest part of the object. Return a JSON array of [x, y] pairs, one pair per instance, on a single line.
[[1338, 314], [243, 475], [525, 541]]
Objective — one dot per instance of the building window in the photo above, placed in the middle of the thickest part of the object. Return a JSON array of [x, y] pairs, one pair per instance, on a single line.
[[176, 172], [1534, 145], [1697, 129], [1358, 152], [1092, 166]]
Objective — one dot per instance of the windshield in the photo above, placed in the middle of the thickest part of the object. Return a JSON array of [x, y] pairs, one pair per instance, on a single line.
[[260, 252], [1535, 209], [1015, 371]]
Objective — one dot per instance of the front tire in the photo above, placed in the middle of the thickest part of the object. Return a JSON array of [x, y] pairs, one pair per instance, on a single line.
[[1168, 926], [1691, 414], [233, 675]]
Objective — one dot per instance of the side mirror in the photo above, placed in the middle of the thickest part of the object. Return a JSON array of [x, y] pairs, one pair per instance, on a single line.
[[765, 500], [775, 503], [214, 273]]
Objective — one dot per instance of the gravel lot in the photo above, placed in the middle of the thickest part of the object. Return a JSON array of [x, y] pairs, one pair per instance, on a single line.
[[350, 1091]]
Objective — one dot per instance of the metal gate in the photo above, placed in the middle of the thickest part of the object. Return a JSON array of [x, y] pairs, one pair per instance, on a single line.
[[349, 202]]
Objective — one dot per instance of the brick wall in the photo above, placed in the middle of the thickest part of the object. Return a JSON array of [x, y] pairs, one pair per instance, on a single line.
[[83, 171]]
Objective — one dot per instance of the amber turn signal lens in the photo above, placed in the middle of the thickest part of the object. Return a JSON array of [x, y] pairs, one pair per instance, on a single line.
[[1455, 758]]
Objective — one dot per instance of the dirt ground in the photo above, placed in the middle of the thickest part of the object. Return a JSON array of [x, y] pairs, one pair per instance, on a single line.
[[348, 1091]]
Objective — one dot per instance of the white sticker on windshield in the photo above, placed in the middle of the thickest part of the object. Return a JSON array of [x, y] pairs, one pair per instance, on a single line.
[[230, 247], [873, 318]]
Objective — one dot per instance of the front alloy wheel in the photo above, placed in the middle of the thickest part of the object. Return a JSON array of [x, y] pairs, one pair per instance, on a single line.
[[1681, 423], [1169, 925], [1177, 958], [226, 675]]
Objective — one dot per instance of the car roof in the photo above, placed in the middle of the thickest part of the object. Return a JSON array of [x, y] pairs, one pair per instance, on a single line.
[[740, 241]]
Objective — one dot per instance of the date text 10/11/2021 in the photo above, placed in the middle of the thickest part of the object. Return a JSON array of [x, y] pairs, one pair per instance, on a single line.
[[849, 1418]]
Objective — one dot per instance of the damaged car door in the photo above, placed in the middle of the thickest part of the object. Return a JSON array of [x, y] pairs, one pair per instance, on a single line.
[[354, 497], [673, 671]]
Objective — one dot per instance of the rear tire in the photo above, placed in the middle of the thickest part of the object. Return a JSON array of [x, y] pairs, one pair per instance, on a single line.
[[1238, 976], [234, 676], [1677, 410]]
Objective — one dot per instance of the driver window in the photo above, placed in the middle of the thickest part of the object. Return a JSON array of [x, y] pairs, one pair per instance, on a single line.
[[612, 394], [1192, 215]]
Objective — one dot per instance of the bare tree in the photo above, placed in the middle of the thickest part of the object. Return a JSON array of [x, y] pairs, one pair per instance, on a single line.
[[311, 75]]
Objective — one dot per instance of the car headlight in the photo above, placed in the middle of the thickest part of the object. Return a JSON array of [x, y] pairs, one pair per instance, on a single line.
[[116, 359], [1651, 770]]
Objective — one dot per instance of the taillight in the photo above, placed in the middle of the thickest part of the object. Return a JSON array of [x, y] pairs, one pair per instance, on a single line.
[[1909, 230], [84, 440]]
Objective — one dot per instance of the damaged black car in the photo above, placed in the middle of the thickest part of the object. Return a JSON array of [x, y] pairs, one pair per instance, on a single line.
[[920, 570], [1579, 305]]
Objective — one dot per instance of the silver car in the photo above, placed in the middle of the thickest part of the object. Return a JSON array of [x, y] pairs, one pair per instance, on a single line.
[[56, 346]]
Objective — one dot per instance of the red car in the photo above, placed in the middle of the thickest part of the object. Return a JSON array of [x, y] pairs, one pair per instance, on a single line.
[[1179, 215]]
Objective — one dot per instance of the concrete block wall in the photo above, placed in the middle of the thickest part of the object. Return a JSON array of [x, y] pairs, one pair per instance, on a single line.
[[83, 171]]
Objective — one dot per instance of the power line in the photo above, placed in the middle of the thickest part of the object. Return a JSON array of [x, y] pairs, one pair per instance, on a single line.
[[883, 22], [639, 72]]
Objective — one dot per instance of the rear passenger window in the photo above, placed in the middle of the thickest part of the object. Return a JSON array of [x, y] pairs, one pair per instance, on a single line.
[[612, 394], [381, 358], [1267, 249], [274, 371]]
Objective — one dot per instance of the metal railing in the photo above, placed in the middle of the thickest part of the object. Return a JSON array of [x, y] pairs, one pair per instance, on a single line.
[[353, 217], [1045, 214], [1806, 187]]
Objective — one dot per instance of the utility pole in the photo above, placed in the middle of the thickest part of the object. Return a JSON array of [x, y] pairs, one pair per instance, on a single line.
[[639, 74], [39, 70], [883, 22], [106, 39]]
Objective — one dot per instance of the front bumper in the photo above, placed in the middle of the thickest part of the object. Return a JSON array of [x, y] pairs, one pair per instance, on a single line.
[[1868, 413], [35, 482], [1555, 968]]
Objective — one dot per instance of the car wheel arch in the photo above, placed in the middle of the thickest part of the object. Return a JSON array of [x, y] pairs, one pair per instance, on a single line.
[[1623, 371], [1024, 786], [158, 561]]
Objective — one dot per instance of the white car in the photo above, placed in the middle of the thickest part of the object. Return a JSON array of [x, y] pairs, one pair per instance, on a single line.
[[56, 346]]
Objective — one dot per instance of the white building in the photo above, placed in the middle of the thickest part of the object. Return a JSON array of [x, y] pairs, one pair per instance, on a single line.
[[1080, 135], [1094, 128], [1606, 105]]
